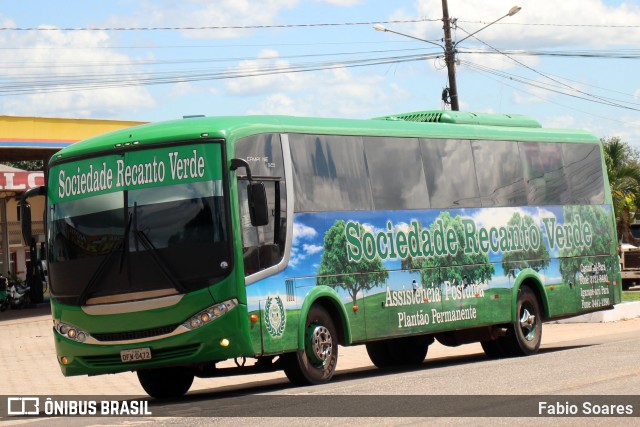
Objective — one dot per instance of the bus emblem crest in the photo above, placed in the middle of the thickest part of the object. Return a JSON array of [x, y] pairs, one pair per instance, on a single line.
[[275, 317]]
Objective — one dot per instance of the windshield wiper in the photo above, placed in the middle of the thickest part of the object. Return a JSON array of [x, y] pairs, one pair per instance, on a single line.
[[166, 272], [149, 246], [98, 273]]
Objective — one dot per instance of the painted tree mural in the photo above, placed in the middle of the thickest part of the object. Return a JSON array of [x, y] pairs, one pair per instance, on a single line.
[[602, 232], [336, 270], [435, 270], [515, 261]]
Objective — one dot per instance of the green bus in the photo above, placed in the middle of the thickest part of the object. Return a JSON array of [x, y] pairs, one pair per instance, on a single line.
[[175, 246]]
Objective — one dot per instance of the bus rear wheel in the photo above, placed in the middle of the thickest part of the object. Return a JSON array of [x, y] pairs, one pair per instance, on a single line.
[[316, 364], [406, 351], [164, 383], [525, 335]]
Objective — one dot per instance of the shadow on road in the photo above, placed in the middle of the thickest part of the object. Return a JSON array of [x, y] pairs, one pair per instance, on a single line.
[[25, 313], [257, 388]]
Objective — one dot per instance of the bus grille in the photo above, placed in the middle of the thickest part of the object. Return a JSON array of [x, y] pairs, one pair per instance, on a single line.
[[632, 259], [134, 335], [156, 356]]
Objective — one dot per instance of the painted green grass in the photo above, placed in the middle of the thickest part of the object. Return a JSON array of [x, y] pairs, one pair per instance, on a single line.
[[630, 296], [382, 321]]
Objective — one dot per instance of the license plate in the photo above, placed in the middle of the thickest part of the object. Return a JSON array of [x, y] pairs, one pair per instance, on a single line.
[[135, 355]]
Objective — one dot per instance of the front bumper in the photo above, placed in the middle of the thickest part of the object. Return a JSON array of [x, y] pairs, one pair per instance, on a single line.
[[223, 338]]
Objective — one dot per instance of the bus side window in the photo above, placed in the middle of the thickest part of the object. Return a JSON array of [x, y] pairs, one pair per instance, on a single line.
[[262, 247]]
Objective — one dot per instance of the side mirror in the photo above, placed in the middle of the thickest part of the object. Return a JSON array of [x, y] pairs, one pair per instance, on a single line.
[[25, 215], [258, 209], [257, 195], [25, 212]]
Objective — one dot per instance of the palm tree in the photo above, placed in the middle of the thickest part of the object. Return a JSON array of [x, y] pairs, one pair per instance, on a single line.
[[624, 178]]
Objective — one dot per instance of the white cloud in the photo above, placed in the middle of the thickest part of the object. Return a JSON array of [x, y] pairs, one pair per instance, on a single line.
[[299, 254], [562, 122], [499, 217], [302, 232], [474, 14], [267, 61], [57, 61], [312, 249], [341, 3], [205, 13], [329, 93]]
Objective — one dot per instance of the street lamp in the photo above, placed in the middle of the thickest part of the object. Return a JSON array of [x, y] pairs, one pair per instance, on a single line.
[[449, 46], [512, 11], [380, 27]]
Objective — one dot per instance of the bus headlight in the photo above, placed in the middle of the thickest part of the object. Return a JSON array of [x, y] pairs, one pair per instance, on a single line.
[[209, 314], [69, 331]]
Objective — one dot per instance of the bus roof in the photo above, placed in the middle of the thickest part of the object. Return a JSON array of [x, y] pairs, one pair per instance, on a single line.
[[427, 124]]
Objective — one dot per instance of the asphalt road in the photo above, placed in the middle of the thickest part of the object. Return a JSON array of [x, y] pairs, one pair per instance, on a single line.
[[599, 360]]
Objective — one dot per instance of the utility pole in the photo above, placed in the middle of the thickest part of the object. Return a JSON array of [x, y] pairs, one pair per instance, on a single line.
[[449, 57], [449, 49]]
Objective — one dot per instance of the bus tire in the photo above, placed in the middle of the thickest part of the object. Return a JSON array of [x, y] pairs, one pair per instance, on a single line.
[[164, 383], [493, 349], [406, 351], [379, 354], [525, 335], [316, 364]]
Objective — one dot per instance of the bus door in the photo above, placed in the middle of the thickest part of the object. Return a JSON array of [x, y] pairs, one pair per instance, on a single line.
[[263, 247]]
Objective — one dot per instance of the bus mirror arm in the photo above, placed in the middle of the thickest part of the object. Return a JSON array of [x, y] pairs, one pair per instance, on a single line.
[[241, 163], [25, 211], [256, 195]]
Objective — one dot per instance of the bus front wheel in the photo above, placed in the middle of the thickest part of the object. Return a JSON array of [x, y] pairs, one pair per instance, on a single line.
[[166, 383], [316, 364]]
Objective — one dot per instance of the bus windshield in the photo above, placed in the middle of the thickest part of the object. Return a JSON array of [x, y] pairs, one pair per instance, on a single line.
[[139, 242]]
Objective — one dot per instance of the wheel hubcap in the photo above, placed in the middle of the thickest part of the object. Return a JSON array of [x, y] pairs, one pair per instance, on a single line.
[[320, 345], [528, 324]]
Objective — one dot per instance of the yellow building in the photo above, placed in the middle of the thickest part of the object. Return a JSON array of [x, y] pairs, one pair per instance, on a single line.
[[33, 138]]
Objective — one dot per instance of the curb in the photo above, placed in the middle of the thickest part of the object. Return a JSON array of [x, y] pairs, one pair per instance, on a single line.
[[622, 311]]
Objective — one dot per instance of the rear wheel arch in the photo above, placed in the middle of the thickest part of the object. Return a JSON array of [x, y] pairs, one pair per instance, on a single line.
[[533, 281]]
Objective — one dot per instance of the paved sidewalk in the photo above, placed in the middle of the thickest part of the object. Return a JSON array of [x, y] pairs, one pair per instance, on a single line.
[[28, 356]]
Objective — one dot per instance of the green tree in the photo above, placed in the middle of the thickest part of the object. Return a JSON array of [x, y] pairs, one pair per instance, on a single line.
[[28, 165], [623, 169], [601, 232], [438, 269], [336, 270], [514, 261]]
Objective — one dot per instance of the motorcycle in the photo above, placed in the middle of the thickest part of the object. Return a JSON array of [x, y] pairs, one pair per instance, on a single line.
[[4, 298], [18, 294]]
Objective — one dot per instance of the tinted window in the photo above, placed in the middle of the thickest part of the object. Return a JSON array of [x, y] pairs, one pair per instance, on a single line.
[[396, 174], [499, 173], [329, 173], [544, 174], [583, 168], [263, 246], [263, 153], [450, 172]]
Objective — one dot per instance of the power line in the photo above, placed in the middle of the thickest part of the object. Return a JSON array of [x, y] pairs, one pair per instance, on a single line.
[[216, 27], [74, 82], [547, 87], [588, 95], [49, 65], [474, 67], [554, 24], [324, 24]]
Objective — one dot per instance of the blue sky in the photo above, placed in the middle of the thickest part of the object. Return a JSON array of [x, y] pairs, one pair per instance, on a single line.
[[41, 66]]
